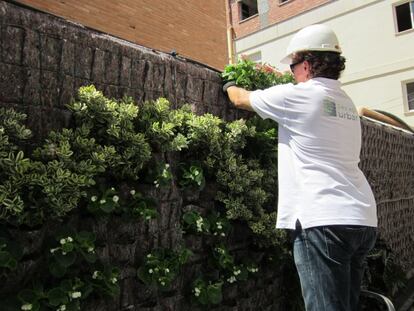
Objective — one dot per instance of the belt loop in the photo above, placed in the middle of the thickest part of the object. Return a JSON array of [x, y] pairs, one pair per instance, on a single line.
[[298, 225]]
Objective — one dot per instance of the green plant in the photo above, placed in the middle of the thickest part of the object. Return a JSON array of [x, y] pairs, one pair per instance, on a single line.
[[162, 266], [253, 76], [10, 253], [207, 292], [193, 177], [383, 273], [106, 203], [193, 222], [141, 206], [105, 281], [64, 297], [70, 247]]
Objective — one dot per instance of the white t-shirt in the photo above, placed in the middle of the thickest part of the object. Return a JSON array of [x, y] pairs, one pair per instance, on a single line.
[[320, 182]]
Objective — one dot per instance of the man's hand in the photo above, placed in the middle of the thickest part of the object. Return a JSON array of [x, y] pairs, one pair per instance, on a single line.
[[238, 96], [227, 85]]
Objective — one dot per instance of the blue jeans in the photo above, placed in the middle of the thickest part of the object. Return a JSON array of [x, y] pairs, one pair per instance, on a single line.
[[330, 263]]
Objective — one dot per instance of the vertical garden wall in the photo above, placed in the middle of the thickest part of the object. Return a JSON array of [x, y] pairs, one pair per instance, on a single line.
[[44, 60]]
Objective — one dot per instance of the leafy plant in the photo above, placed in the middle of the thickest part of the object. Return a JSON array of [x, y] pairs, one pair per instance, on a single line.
[[70, 246], [106, 203], [207, 292], [193, 177], [141, 206], [10, 253], [253, 76], [162, 266], [64, 297], [193, 222]]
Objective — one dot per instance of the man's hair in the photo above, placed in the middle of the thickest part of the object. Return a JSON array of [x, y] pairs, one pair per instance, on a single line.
[[323, 64]]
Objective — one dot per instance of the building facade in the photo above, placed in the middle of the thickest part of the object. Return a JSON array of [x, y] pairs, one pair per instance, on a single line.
[[194, 29], [376, 36]]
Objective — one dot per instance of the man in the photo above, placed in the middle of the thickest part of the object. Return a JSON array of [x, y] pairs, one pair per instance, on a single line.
[[323, 195]]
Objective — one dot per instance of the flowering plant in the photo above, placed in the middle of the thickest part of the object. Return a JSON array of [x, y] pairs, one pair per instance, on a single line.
[[70, 246], [161, 267], [106, 203], [207, 293]]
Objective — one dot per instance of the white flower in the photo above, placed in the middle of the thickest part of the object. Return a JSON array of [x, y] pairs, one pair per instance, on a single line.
[[95, 275], [223, 234], [113, 189], [231, 279], [199, 223], [162, 283], [90, 249], [147, 217], [69, 239], [75, 295], [114, 280], [103, 201], [52, 250], [219, 225], [27, 306], [132, 192], [94, 198], [197, 292], [64, 253], [62, 241], [62, 308], [149, 255], [236, 272], [115, 198], [167, 270], [253, 269], [150, 271]]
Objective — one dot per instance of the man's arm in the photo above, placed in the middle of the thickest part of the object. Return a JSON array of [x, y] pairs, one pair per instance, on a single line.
[[239, 97]]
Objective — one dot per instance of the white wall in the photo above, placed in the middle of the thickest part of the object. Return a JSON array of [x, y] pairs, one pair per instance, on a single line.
[[378, 59]]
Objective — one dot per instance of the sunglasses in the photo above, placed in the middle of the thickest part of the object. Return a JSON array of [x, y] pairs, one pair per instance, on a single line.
[[292, 66]]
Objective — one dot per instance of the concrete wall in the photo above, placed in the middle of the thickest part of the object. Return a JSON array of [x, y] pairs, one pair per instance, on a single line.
[[378, 59], [195, 29]]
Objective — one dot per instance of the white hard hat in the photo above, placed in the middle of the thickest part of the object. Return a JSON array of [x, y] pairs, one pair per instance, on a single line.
[[312, 38]]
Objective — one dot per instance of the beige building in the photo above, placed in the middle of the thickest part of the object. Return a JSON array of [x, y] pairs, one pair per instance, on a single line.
[[376, 36]]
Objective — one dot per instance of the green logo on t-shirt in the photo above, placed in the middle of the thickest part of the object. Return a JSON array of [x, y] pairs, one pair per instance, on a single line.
[[332, 109], [329, 108]]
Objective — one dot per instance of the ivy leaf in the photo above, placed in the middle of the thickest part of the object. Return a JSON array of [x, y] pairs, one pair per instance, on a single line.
[[214, 293], [107, 207], [89, 256], [66, 260], [28, 296], [57, 270], [57, 296], [7, 261], [144, 276]]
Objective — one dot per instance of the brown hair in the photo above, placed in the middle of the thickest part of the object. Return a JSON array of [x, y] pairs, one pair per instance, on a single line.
[[323, 64]]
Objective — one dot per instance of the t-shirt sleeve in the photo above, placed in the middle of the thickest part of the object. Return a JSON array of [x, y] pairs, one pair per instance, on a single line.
[[270, 103]]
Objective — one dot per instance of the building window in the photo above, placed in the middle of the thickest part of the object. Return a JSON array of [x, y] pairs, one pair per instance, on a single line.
[[404, 15], [248, 8], [409, 95]]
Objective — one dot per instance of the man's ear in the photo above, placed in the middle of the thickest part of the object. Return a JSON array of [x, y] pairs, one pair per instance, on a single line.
[[306, 65]]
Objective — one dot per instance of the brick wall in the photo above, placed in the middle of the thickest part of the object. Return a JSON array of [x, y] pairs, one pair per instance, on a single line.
[[195, 29], [275, 13]]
